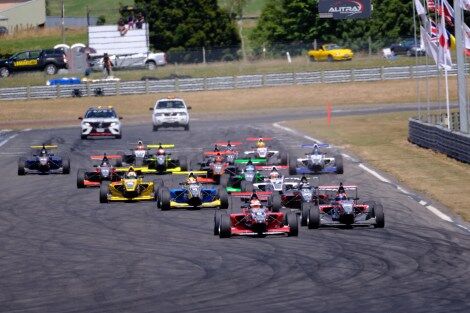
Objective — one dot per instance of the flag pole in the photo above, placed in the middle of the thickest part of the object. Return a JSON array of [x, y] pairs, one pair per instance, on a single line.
[[447, 100]]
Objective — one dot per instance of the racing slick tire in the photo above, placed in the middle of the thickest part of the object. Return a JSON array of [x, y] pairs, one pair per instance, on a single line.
[[223, 196], [330, 58], [165, 199], [183, 164], [50, 69], [186, 127], [379, 216], [83, 137], [246, 186], [313, 221], [22, 166], [223, 181], [283, 158], [118, 136], [81, 173], [370, 212], [66, 165], [216, 224], [292, 165], [339, 164], [4, 72], [293, 223], [118, 162], [155, 128], [305, 207], [104, 190], [225, 227], [275, 202]]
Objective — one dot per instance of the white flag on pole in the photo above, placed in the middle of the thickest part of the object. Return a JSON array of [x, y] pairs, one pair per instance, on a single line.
[[420, 10], [429, 44]]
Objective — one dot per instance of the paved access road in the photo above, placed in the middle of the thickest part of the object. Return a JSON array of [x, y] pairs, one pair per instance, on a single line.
[[63, 251]]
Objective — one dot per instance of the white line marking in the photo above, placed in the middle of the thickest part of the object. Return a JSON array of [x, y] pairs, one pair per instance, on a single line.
[[374, 173], [461, 226], [285, 128], [439, 213], [406, 192], [26, 130], [6, 140], [422, 202]]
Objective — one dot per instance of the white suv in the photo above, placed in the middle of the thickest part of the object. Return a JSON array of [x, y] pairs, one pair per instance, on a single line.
[[101, 121], [170, 112]]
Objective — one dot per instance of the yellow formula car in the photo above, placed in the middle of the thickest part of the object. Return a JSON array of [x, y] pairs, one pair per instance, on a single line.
[[330, 52], [129, 189]]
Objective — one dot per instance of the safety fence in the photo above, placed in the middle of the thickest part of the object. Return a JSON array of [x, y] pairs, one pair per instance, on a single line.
[[217, 83], [439, 139]]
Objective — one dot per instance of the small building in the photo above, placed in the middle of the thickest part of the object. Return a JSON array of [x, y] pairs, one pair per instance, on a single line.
[[22, 14]]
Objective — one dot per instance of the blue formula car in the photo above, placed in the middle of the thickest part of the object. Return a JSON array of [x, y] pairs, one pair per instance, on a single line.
[[43, 162], [316, 162], [192, 195]]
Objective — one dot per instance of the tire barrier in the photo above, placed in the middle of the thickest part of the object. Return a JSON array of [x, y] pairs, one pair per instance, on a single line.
[[439, 139]]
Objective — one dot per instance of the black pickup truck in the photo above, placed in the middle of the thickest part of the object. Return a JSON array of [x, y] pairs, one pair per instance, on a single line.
[[50, 61]]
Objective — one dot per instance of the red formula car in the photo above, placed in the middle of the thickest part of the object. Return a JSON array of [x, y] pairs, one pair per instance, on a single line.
[[257, 221], [102, 172]]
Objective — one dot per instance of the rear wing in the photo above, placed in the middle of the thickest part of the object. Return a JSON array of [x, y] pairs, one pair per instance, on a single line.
[[164, 146], [109, 156], [45, 147], [211, 153], [245, 195], [315, 145], [259, 138], [335, 188], [270, 167], [225, 143]]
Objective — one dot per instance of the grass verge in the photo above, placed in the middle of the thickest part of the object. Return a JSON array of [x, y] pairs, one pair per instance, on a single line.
[[381, 140], [64, 111]]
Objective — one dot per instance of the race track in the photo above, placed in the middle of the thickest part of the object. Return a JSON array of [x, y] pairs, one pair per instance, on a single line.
[[63, 251]]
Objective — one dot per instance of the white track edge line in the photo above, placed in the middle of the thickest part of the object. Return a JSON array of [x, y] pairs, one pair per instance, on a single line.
[[7, 139], [439, 213]]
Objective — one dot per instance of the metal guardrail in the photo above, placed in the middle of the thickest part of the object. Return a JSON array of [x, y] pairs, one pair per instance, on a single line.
[[217, 83], [440, 139]]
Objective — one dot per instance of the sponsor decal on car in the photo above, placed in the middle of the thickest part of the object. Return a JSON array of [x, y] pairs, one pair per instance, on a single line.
[[25, 63]]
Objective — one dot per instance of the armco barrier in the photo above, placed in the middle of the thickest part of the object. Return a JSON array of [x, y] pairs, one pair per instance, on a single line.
[[228, 82], [440, 139]]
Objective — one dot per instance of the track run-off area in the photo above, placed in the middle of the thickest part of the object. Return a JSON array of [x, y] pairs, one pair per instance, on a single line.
[[63, 251]]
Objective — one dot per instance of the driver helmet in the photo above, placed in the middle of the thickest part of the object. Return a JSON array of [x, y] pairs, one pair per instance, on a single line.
[[341, 196], [255, 203], [105, 160], [274, 173], [140, 145], [260, 143], [160, 151], [218, 158], [43, 151], [131, 174], [316, 150], [191, 179], [216, 148], [304, 181]]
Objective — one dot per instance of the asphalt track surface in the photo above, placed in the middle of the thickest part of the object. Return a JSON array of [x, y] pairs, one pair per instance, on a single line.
[[63, 251]]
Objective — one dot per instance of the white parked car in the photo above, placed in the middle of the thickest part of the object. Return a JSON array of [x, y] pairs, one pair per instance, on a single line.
[[170, 112], [101, 121], [138, 60]]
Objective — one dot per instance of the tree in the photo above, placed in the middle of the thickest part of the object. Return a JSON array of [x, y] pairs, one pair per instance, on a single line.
[[298, 21], [183, 25]]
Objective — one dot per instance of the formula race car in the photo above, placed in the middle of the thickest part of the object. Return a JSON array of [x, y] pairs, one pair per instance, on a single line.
[[219, 170], [244, 180], [302, 195], [255, 220], [100, 173], [142, 154], [267, 198], [43, 162], [261, 154], [316, 162], [274, 181], [227, 148], [129, 188], [344, 210], [192, 195]]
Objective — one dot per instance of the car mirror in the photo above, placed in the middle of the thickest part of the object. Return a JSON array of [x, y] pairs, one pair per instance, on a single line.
[[120, 117], [150, 109], [80, 118], [95, 165], [189, 108]]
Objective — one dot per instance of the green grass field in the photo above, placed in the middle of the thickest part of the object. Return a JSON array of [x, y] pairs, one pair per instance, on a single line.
[[108, 8]]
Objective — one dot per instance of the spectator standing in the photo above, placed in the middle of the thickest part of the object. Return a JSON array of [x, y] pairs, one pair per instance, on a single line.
[[107, 65], [131, 21], [122, 29], [140, 21]]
